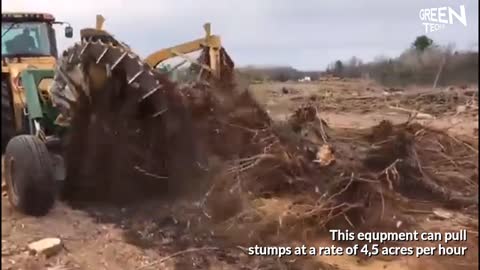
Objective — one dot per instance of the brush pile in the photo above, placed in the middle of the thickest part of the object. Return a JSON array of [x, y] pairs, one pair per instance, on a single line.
[[302, 176], [434, 103]]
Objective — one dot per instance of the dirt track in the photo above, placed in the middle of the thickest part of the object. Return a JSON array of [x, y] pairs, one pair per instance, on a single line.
[[162, 234]]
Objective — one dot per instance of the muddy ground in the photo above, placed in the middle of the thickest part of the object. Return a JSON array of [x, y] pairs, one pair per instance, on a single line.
[[164, 234]]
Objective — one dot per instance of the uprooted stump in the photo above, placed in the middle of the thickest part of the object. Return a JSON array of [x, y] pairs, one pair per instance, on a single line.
[[415, 160]]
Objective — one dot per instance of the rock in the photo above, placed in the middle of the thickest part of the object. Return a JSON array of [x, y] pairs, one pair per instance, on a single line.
[[46, 246], [461, 109], [399, 223]]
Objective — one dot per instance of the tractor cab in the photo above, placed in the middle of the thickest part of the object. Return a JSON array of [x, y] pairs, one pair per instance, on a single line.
[[30, 35], [29, 55]]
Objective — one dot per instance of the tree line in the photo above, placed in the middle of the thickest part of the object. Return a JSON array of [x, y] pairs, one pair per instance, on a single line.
[[418, 64]]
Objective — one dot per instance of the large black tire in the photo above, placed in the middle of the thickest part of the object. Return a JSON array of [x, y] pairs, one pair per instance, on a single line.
[[29, 175], [8, 120]]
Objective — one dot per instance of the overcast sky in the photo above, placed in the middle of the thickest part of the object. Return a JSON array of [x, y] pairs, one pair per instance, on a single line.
[[306, 34]]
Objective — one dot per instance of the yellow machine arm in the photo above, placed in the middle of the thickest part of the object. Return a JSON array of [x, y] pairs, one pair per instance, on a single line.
[[99, 22], [214, 58], [211, 43]]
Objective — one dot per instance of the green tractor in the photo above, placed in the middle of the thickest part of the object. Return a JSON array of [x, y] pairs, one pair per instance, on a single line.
[[30, 125], [49, 103], [40, 94]]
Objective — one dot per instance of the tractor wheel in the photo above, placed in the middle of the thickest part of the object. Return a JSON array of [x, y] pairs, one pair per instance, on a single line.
[[29, 175], [8, 121]]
